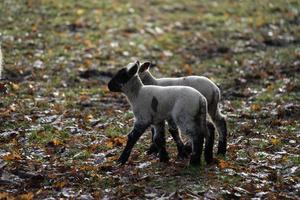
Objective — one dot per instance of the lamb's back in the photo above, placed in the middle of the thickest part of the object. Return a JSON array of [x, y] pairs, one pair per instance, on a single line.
[[202, 84], [168, 96]]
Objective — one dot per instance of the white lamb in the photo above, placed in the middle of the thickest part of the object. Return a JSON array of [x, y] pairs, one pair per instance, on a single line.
[[152, 105], [202, 84]]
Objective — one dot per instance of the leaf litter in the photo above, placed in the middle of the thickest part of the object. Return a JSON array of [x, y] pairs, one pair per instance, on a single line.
[[61, 131]]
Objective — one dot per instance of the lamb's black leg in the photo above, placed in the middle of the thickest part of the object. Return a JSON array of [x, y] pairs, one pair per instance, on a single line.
[[197, 135], [209, 142], [220, 122], [153, 148], [223, 141], [133, 137], [197, 147], [160, 141], [175, 135]]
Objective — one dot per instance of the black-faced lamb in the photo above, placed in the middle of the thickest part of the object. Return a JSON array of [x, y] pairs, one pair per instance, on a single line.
[[152, 105], [202, 84]]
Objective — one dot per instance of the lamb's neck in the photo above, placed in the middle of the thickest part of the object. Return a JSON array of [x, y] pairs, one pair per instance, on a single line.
[[149, 79], [132, 88]]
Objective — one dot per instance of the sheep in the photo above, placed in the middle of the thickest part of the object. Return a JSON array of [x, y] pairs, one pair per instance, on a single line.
[[182, 106], [202, 84]]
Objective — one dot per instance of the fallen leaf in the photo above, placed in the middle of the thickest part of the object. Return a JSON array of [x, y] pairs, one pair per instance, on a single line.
[[84, 97], [60, 184], [54, 142], [88, 43], [5, 113], [119, 141], [88, 117], [255, 107], [80, 11], [275, 141], [223, 164], [4, 195], [27, 196], [34, 28], [15, 86], [12, 156], [109, 144], [188, 69], [116, 141]]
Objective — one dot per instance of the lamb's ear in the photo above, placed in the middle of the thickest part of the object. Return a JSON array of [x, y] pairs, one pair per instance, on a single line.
[[144, 66], [133, 70], [137, 62]]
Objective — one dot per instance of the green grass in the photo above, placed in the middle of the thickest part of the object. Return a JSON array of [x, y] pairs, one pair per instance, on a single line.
[[47, 134], [228, 41], [295, 159]]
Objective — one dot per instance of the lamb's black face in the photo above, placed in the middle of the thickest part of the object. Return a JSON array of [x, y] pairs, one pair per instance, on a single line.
[[121, 78], [116, 83]]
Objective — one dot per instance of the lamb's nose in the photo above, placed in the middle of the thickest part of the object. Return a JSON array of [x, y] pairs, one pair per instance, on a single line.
[[110, 86]]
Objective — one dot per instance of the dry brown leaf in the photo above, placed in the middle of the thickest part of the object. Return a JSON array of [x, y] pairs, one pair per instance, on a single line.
[[255, 107], [34, 28], [15, 86], [27, 196], [105, 89], [5, 113], [223, 164], [109, 144], [84, 97], [275, 141], [119, 141], [88, 43], [55, 142], [12, 156], [116, 141], [59, 108], [4, 195], [88, 117], [60, 184], [87, 63], [188, 69]]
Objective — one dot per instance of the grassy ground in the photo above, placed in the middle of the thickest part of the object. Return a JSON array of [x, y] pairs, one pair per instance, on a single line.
[[61, 130]]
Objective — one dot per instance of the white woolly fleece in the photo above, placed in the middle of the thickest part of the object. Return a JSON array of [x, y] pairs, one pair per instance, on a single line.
[[203, 85]]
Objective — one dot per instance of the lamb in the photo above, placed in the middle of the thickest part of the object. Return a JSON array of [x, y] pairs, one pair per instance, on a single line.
[[202, 84], [183, 106]]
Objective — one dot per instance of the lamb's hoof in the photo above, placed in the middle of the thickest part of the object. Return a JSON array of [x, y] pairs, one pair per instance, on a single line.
[[187, 149], [164, 158], [195, 163], [122, 159], [221, 150], [208, 155], [213, 162], [120, 162], [184, 152], [152, 150], [195, 160], [209, 160], [182, 155]]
